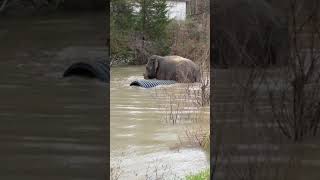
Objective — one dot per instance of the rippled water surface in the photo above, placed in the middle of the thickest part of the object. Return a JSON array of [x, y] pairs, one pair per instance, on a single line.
[[51, 128], [142, 140]]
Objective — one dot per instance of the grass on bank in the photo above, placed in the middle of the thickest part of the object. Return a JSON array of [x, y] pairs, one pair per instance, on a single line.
[[203, 175]]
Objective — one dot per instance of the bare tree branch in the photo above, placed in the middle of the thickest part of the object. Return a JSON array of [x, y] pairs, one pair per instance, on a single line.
[[3, 5]]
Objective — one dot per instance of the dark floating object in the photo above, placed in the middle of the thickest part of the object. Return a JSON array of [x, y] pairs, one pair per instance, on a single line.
[[97, 69], [151, 83]]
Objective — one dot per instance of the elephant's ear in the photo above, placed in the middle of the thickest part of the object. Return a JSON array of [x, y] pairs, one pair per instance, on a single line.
[[156, 64]]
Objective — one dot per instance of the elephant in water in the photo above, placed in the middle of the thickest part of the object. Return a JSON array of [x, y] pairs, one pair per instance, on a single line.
[[175, 68]]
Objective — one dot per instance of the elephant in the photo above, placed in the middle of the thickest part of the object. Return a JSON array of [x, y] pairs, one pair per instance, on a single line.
[[248, 33], [175, 68]]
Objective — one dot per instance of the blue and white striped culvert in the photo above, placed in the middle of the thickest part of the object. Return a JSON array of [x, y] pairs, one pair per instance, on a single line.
[[146, 83]]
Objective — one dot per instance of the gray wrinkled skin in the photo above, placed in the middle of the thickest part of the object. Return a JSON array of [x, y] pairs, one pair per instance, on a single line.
[[174, 68]]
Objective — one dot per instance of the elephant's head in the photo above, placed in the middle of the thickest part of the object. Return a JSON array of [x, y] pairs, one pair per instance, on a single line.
[[152, 67]]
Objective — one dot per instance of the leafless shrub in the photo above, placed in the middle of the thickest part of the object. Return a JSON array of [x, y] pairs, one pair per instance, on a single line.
[[293, 94], [296, 104], [196, 137], [184, 103], [190, 39], [203, 93], [270, 102], [142, 48]]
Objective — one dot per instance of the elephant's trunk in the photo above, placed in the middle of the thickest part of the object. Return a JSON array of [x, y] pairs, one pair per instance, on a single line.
[[145, 76]]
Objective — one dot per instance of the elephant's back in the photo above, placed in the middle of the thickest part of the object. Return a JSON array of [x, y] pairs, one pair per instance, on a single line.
[[187, 62], [187, 71], [178, 60]]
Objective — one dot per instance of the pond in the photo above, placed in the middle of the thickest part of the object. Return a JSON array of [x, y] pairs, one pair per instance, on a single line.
[[143, 139]]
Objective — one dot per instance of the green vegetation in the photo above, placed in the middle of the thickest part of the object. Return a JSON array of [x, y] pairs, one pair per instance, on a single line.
[[121, 27], [140, 28], [135, 35], [203, 175], [152, 19]]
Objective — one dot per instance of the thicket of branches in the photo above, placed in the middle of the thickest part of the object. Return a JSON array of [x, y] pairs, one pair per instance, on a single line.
[[285, 100], [151, 32], [296, 107]]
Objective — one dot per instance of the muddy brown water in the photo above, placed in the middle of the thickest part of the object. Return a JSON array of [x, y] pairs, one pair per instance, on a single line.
[[251, 144], [144, 143], [52, 128]]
